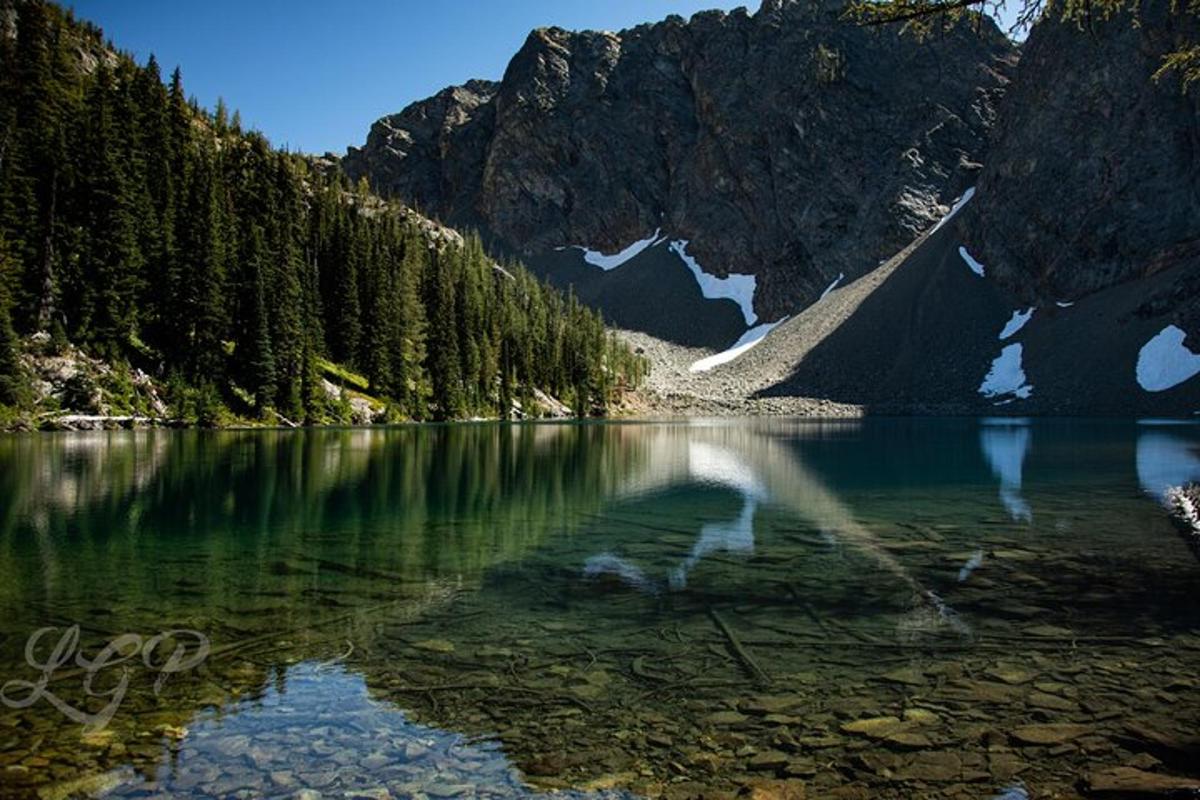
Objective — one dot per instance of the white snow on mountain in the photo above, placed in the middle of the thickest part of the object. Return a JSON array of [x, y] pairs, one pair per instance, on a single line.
[[1165, 362], [974, 265], [1006, 376], [609, 262], [1018, 320], [736, 286], [832, 286], [747, 341], [958, 206]]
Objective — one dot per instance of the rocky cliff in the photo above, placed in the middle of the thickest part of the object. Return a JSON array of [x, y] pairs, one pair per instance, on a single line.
[[1094, 176], [805, 152], [785, 144]]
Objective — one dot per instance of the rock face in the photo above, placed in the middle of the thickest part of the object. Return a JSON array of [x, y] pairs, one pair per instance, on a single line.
[[1094, 178], [806, 151], [787, 144], [432, 152]]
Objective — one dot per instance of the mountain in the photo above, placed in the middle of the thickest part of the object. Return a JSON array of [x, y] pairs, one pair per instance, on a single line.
[[790, 211], [787, 145], [158, 261], [1094, 177]]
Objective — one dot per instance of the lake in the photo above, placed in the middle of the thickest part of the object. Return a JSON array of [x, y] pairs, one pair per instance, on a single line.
[[886, 608]]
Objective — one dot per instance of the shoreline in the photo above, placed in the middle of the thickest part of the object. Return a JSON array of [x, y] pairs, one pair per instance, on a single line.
[[675, 408]]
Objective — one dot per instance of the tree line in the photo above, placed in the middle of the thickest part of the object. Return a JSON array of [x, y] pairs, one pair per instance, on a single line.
[[148, 231]]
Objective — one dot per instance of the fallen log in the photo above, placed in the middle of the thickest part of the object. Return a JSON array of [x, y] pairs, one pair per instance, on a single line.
[[748, 663]]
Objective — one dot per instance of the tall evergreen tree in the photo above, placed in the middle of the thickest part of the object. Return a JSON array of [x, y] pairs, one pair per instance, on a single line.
[[203, 246], [444, 369], [11, 373], [253, 343], [113, 263], [167, 236], [409, 353]]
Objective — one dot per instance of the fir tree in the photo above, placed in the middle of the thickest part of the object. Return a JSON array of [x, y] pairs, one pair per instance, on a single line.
[[167, 236], [444, 369], [113, 262], [254, 340], [12, 377]]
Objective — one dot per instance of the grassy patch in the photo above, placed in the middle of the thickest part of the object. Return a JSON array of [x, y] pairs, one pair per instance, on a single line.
[[338, 374]]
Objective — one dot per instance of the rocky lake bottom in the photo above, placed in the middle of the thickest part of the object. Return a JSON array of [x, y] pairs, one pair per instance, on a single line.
[[777, 608]]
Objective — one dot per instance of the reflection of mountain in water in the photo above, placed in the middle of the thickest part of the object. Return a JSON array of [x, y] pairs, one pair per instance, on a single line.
[[446, 563], [1165, 460], [758, 461], [1005, 443], [712, 467]]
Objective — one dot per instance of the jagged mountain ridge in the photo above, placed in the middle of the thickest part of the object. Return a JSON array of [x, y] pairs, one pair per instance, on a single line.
[[785, 144], [1084, 223]]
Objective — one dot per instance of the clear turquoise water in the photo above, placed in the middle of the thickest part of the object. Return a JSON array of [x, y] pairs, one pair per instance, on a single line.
[[893, 608]]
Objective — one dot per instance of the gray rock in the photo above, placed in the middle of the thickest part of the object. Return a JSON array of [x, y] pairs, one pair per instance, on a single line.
[[787, 143], [1094, 175]]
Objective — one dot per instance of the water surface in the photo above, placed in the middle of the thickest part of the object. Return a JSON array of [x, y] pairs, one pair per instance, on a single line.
[[894, 608]]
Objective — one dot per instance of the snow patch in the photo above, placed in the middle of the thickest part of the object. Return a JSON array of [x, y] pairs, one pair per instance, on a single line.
[[1018, 320], [954, 209], [1064, 303], [736, 286], [833, 285], [974, 265], [1165, 362], [1006, 375], [747, 341], [610, 262]]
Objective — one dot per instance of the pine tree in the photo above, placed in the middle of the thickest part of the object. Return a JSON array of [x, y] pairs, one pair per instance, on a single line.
[[444, 368], [346, 331], [379, 328], [203, 247], [288, 327], [408, 359], [111, 269], [12, 375], [156, 221], [167, 236], [254, 336]]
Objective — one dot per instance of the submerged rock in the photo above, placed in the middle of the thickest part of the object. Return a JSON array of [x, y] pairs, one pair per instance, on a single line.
[[935, 766], [874, 727], [1131, 782], [1049, 734]]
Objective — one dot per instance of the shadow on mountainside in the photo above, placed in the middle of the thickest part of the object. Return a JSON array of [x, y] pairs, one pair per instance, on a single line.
[[652, 292], [925, 337]]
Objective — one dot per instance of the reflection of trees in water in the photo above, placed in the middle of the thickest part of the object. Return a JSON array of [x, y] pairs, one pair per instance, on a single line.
[[280, 546], [173, 523]]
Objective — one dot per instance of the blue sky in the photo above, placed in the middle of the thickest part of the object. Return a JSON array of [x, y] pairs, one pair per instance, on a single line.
[[313, 75]]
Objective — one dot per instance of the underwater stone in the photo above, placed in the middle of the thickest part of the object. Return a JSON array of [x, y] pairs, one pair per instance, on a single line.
[[1049, 734], [874, 727]]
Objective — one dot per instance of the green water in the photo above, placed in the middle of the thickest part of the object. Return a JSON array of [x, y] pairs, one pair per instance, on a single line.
[[897, 608]]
